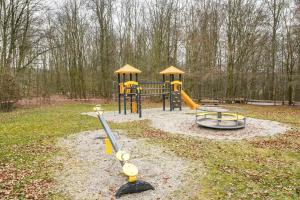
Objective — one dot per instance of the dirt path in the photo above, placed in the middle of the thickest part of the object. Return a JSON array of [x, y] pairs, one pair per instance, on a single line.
[[183, 122], [88, 173]]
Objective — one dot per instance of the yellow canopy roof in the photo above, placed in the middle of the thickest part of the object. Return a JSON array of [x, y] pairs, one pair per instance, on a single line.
[[128, 69], [172, 70]]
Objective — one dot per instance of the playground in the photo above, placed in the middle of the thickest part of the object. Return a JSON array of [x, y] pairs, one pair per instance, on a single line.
[[183, 123], [132, 149], [87, 170], [193, 120], [167, 154], [163, 173]]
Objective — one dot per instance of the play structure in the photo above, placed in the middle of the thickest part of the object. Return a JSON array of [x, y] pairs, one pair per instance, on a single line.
[[220, 120], [132, 90], [133, 185]]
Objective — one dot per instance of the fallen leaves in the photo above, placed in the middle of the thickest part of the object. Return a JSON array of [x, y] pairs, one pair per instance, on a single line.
[[9, 177], [154, 133], [288, 141], [36, 149], [284, 114], [36, 189], [19, 183]]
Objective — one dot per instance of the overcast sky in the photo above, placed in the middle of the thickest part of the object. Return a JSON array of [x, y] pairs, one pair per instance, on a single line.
[[54, 3]]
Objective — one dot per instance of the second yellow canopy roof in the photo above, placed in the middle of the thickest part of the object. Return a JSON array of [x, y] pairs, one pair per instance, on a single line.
[[172, 70]]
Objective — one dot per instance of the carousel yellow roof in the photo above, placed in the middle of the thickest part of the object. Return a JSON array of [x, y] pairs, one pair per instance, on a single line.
[[172, 70], [128, 69]]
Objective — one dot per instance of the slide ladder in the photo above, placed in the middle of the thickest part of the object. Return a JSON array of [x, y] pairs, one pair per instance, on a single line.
[[188, 101]]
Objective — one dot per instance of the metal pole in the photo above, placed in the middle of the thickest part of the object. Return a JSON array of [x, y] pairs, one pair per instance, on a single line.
[[180, 87], [180, 79], [119, 95], [130, 78], [140, 103], [219, 116], [137, 95], [171, 93], [164, 95], [125, 101], [124, 94], [137, 100], [180, 101]]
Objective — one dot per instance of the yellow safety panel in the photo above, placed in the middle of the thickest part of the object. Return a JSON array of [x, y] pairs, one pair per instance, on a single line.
[[122, 88], [134, 107], [108, 147], [176, 83], [126, 85], [130, 83]]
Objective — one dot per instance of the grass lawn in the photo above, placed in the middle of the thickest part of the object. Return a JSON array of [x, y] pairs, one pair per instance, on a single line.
[[261, 168]]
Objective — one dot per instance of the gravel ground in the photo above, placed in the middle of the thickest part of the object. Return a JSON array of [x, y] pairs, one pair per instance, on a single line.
[[183, 122], [88, 173]]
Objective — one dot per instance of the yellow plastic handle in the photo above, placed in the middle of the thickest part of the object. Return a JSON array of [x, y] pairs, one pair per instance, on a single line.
[[98, 110]]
